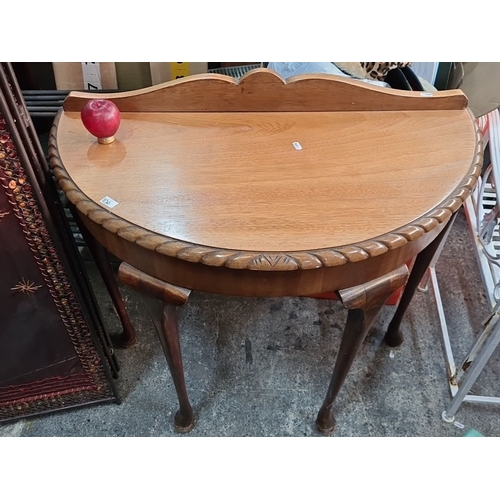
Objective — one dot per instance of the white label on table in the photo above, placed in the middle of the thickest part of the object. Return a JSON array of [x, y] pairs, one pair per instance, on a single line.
[[109, 202], [297, 146], [91, 75]]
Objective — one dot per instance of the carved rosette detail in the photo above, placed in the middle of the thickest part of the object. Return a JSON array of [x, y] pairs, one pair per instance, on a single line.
[[268, 261]]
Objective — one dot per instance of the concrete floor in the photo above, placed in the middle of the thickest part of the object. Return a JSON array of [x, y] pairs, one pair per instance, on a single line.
[[260, 367]]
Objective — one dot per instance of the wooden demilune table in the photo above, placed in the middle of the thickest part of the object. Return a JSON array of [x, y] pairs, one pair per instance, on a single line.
[[269, 188]]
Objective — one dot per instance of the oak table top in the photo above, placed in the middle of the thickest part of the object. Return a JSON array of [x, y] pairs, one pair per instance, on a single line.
[[272, 190], [266, 187]]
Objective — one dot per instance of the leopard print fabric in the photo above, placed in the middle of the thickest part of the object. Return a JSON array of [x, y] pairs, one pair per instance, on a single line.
[[370, 70], [379, 70]]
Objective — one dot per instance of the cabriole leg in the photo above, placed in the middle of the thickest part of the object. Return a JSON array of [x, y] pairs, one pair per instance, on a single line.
[[363, 302], [162, 300], [101, 258], [394, 337]]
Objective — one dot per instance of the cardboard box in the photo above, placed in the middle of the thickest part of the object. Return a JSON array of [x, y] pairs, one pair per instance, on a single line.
[[70, 75], [480, 82], [121, 75], [165, 71], [133, 75]]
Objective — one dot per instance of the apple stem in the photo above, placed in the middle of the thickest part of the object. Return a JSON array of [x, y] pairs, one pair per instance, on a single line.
[[106, 140]]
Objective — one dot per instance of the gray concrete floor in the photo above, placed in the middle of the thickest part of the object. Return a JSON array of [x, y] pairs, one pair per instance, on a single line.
[[260, 367]]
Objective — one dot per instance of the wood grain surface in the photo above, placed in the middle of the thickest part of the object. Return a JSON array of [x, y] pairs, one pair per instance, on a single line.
[[235, 181], [264, 90], [220, 200]]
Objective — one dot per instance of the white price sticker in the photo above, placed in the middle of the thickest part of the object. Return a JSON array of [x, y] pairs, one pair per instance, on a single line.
[[109, 202], [297, 145]]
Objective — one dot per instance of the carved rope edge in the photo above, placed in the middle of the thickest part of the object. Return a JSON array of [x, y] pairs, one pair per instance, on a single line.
[[264, 261]]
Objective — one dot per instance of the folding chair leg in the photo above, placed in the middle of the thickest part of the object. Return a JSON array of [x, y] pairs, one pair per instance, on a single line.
[[472, 373], [476, 348]]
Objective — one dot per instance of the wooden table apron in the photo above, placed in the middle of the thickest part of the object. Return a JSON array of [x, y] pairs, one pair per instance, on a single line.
[[278, 273], [252, 283]]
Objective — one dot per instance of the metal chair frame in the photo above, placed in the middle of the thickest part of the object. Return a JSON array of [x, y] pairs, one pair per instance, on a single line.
[[482, 214]]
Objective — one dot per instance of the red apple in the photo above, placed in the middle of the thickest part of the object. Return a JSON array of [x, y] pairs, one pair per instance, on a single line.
[[102, 119]]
